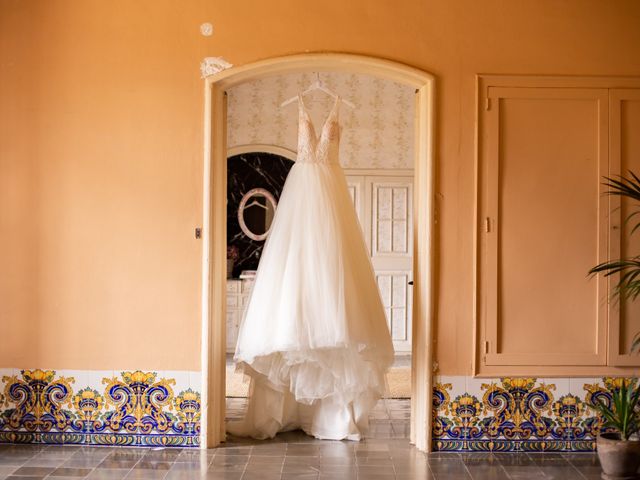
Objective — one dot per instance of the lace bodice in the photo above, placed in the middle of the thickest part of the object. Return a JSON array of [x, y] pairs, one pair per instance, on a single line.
[[314, 149]]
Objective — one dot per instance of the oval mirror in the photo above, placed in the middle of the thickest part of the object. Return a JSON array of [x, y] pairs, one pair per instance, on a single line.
[[255, 213]]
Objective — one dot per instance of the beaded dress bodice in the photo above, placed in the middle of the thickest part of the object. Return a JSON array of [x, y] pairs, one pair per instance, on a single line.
[[318, 149]]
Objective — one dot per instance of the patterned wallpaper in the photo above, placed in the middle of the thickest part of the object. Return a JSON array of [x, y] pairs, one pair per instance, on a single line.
[[378, 133]]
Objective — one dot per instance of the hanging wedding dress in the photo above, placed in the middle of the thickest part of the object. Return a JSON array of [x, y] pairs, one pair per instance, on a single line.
[[314, 339]]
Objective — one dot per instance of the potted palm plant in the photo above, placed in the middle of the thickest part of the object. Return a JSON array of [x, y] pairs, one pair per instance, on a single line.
[[618, 444], [628, 286], [619, 454]]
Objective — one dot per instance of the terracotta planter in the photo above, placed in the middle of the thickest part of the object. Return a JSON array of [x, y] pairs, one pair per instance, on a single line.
[[619, 459]]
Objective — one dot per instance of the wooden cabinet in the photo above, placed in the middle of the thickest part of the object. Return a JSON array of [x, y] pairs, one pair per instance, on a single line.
[[624, 125], [544, 146], [238, 292]]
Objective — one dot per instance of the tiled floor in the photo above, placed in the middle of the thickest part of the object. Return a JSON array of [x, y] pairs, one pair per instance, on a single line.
[[386, 455]]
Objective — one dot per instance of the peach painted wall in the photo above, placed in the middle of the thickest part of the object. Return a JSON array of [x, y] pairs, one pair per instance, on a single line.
[[101, 149]]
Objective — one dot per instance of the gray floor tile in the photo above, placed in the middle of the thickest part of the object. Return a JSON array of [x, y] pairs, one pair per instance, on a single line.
[[44, 462], [303, 476], [300, 469], [411, 469], [265, 460], [373, 461], [589, 470], [184, 475], [26, 477], [64, 478], [295, 455], [146, 464], [451, 476], [523, 471], [583, 459], [550, 459], [222, 476], [107, 474], [225, 468], [12, 462], [34, 471], [235, 460], [71, 472], [514, 459], [415, 476], [375, 470], [192, 466], [446, 466], [555, 472], [146, 475], [487, 472], [261, 476], [112, 464], [301, 460], [337, 460]]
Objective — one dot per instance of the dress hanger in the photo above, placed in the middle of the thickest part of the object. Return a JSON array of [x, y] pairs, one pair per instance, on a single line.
[[255, 202], [318, 85]]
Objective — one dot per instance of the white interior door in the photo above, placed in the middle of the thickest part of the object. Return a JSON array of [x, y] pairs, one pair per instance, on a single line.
[[384, 206]]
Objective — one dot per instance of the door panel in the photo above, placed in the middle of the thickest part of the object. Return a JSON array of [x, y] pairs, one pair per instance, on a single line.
[[544, 152], [624, 128], [383, 203], [394, 290], [391, 218]]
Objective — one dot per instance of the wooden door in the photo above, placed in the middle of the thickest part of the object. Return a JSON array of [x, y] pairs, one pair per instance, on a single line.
[[384, 206], [624, 130], [542, 225]]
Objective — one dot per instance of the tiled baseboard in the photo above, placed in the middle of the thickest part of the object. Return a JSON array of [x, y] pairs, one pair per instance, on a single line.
[[518, 414], [136, 408], [131, 408]]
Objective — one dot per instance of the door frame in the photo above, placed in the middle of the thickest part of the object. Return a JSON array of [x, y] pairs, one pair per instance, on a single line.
[[213, 347]]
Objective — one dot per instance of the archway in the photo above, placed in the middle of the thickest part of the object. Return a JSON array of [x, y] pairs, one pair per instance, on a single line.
[[214, 228]]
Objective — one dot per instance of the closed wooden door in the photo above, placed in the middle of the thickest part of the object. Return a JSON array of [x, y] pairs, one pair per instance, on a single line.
[[542, 226], [384, 206], [624, 127]]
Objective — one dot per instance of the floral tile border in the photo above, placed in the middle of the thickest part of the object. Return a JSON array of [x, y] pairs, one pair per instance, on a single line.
[[518, 414], [136, 408], [133, 408]]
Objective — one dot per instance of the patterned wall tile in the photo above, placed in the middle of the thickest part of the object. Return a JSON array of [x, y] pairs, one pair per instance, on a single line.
[[99, 408], [163, 409], [518, 414]]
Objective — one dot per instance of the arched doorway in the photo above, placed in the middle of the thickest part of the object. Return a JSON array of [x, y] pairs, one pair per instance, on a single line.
[[214, 228]]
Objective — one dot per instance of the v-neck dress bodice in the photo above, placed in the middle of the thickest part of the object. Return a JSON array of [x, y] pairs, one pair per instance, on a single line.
[[313, 148], [314, 339]]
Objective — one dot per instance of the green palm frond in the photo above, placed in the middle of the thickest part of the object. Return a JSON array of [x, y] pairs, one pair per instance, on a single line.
[[627, 188], [635, 343], [621, 415], [624, 186], [628, 287]]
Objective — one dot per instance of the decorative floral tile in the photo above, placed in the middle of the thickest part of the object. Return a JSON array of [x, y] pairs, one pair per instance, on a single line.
[[151, 409], [519, 414], [131, 408]]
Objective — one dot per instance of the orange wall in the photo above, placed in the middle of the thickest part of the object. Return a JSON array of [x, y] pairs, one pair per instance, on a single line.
[[101, 149]]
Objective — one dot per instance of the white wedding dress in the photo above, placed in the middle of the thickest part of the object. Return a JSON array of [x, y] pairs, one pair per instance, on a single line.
[[314, 339]]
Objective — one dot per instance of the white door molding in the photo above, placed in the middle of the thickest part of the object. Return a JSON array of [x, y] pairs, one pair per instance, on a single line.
[[214, 227]]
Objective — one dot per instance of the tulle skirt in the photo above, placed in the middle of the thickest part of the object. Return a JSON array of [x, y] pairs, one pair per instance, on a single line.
[[314, 339]]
